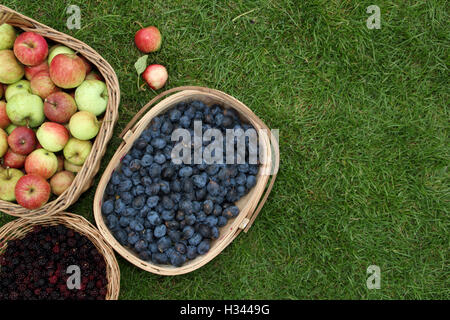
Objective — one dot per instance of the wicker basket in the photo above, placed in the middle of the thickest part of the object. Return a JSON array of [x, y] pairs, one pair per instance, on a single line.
[[250, 205], [17, 229], [85, 177]]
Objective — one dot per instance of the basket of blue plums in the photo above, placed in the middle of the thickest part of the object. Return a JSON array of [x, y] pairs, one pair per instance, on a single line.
[[193, 171]]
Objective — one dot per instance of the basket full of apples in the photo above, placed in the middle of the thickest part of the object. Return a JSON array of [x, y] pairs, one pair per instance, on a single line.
[[58, 107]]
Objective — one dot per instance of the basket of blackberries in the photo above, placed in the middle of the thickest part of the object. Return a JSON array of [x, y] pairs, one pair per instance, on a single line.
[[60, 257], [194, 170]]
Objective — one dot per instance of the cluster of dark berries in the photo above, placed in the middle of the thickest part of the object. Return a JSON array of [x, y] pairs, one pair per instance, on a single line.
[[35, 267], [169, 213]]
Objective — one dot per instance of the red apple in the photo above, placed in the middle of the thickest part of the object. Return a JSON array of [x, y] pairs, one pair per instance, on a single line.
[[30, 48], [71, 167], [42, 85], [148, 39], [87, 65], [59, 107], [52, 136], [67, 70], [32, 191], [30, 72], [4, 120], [60, 163], [94, 75], [41, 162], [22, 140], [61, 181], [13, 160], [156, 76]]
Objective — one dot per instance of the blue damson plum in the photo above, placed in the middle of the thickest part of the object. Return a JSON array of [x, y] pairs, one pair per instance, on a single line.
[[168, 212]]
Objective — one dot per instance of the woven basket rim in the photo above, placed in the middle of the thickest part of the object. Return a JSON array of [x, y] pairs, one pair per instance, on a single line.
[[235, 225], [84, 178], [18, 228]]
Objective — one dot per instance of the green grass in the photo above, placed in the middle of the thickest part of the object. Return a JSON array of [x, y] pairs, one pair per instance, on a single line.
[[364, 137]]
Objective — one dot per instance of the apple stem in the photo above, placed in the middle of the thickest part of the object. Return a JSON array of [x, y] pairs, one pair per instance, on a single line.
[[140, 24]]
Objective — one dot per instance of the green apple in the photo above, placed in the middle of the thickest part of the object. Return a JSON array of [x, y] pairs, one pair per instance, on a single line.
[[7, 36], [3, 142], [76, 151], [8, 181], [71, 167], [92, 95], [21, 86], [26, 109], [58, 49], [84, 125], [10, 128], [11, 70]]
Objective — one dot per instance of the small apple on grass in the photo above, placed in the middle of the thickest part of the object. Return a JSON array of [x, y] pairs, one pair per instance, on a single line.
[[21, 86], [156, 76], [59, 107], [148, 39], [32, 191], [4, 120], [26, 110], [61, 181], [67, 71], [42, 85], [31, 48], [52, 136], [71, 167], [22, 140], [7, 36], [3, 142], [84, 125], [92, 95], [13, 160], [41, 162], [30, 72], [11, 70], [8, 181], [76, 151]]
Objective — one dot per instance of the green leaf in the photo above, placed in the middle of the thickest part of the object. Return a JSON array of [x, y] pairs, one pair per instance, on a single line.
[[141, 64]]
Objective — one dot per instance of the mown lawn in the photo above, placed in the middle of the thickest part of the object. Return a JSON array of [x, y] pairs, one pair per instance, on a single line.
[[364, 137]]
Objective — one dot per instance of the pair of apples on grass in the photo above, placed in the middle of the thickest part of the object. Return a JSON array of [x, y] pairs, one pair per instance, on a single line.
[[52, 98]]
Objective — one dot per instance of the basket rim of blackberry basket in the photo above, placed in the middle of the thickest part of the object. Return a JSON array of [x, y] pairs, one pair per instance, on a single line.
[[18, 228]]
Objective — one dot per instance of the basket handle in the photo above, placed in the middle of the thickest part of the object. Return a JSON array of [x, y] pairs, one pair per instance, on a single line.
[[152, 102]]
